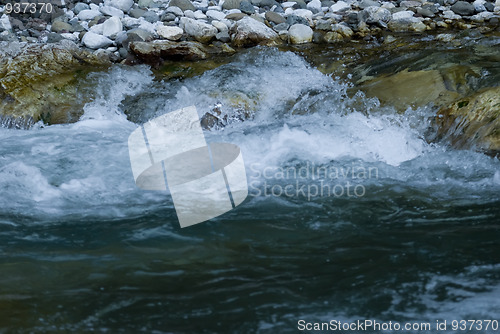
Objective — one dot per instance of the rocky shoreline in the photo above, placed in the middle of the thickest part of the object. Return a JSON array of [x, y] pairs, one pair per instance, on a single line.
[[120, 30]]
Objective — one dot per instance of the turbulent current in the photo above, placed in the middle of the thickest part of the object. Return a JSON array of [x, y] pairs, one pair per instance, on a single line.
[[351, 213]]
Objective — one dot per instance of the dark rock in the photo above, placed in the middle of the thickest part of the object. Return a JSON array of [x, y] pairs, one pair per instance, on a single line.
[[231, 4], [59, 27], [275, 18], [299, 4], [223, 36], [294, 19], [463, 8], [235, 16], [489, 6], [168, 17], [425, 12], [151, 17], [246, 7], [183, 4], [136, 12], [281, 26], [367, 3]]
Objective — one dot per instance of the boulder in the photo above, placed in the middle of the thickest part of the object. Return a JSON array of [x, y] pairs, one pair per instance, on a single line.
[[95, 41], [111, 27], [39, 81], [409, 88], [463, 8], [473, 122], [375, 14], [169, 32], [250, 32], [123, 5], [201, 31], [300, 34]]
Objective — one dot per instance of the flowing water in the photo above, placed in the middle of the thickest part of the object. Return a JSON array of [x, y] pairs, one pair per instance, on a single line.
[[351, 213]]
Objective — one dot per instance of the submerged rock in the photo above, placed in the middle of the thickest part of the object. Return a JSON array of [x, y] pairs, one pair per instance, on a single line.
[[473, 122], [38, 82], [415, 89]]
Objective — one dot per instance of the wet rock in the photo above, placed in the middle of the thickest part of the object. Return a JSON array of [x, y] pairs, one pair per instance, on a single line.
[[250, 32], [300, 34], [39, 81], [407, 25], [171, 33], [201, 31], [473, 122], [463, 8], [409, 88]]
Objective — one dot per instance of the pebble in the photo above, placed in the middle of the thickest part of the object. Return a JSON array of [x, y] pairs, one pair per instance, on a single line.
[[300, 34]]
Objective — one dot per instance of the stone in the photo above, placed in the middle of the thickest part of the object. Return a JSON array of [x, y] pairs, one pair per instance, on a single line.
[[281, 27], [39, 81], [59, 26], [182, 4], [473, 122], [250, 32], [368, 3], [463, 8], [231, 4], [323, 25], [175, 10], [294, 19], [300, 34], [133, 35], [339, 6], [111, 11], [111, 27], [151, 16], [54, 37], [374, 14], [88, 14], [479, 6], [345, 31], [314, 6], [198, 15], [136, 12], [235, 16], [274, 17], [95, 41], [306, 14], [201, 31], [220, 26], [123, 5], [216, 15], [425, 12], [223, 36], [410, 4], [409, 88], [333, 37], [489, 6], [402, 15], [246, 7], [169, 32], [79, 7], [407, 25]]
